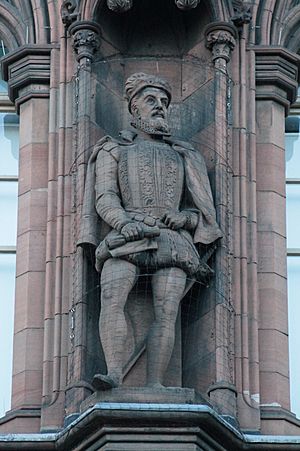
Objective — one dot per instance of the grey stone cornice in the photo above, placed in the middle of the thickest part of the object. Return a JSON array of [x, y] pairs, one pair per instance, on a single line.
[[25, 68], [183, 423], [277, 74]]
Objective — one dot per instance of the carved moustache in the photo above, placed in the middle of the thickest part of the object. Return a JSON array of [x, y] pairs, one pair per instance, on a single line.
[[158, 113]]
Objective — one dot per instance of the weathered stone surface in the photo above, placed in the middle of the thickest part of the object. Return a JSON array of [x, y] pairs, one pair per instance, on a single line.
[[144, 395], [151, 232]]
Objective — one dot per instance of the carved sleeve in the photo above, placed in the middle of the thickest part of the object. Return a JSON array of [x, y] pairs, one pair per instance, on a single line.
[[108, 201]]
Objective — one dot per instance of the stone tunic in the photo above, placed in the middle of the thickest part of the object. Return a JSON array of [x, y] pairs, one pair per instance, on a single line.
[[151, 177], [142, 182]]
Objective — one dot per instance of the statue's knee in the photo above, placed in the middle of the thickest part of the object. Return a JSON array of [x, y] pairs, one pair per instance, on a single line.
[[109, 294], [168, 315]]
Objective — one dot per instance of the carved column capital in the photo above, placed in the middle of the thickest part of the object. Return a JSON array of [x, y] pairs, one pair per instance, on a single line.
[[86, 39], [120, 6], [220, 39], [187, 4]]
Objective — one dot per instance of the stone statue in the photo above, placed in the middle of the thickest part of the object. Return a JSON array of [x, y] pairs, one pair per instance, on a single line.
[[147, 205]]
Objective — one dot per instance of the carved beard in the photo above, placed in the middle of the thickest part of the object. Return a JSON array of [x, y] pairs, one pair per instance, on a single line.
[[152, 126]]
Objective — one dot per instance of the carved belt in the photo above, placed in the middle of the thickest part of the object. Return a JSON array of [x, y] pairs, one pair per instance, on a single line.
[[148, 220]]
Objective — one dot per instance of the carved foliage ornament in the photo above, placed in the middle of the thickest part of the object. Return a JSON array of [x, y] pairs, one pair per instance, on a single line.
[[85, 43], [187, 4], [119, 6], [221, 43]]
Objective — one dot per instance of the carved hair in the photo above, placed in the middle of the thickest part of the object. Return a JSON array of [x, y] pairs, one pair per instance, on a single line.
[[139, 81]]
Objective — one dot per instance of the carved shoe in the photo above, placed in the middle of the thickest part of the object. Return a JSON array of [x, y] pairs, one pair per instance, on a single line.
[[104, 382]]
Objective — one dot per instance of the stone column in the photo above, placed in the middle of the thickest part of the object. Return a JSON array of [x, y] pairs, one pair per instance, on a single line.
[[220, 39], [27, 71], [276, 87], [85, 40]]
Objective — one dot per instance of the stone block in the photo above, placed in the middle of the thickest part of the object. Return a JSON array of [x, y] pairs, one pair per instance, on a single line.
[[29, 306], [273, 351], [273, 302], [270, 168], [21, 423], [33, 167], [272, 253], [32, 210], [31, 252], [28, 350], [143, 395], [274, 389], [277, 421], [34, 122], [199, 339], [270, 123], [27, 389], [201, 373], [271, 212]]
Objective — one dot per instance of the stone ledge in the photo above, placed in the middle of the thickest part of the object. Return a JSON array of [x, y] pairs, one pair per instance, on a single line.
[[28, 65], [276, 419], [278, 68], [173, 395], [138, 427]]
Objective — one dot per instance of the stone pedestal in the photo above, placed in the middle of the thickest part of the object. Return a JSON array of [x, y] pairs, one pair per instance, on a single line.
[[171, 395]]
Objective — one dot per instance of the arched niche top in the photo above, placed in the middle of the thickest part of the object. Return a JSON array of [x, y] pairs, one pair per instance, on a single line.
[[153, 27], [290, 34], [220, 10], [12, 27]]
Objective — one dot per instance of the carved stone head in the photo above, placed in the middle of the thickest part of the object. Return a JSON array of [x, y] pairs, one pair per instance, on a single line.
[[148, 99]]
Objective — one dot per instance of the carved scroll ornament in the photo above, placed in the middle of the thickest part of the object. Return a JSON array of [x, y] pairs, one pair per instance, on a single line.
[[120, 6], [187, 4], [68, 11]]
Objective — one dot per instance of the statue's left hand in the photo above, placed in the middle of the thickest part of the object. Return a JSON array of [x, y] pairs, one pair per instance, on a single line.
[[133, 231], [175, 220]]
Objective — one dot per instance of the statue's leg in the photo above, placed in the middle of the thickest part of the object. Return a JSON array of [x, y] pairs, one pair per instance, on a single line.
[[117, 279], [168, 286]]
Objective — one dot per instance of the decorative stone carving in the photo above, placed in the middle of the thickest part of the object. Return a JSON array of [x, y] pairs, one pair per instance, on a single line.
[[220, 39], [68, 11], [146, 224], [120, 6], [242, 13], [85, 39], [187, 4]]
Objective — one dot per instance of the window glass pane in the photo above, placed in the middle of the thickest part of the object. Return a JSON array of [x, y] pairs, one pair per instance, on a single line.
[[9, 144], [292, 155], [3, 86], [7, 286], [8, 208], [293, 215], [294, 331]]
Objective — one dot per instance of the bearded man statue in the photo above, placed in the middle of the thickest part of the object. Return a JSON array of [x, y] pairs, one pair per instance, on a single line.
[[147, 207]]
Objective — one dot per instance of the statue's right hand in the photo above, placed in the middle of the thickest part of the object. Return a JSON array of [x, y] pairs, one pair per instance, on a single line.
[[133, 231]]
